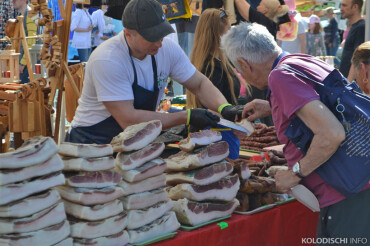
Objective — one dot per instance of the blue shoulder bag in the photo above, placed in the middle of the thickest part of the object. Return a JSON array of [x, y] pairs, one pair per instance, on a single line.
[[348, 169]]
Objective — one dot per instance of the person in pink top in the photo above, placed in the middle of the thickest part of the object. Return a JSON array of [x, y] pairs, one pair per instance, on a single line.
[[256, 55]]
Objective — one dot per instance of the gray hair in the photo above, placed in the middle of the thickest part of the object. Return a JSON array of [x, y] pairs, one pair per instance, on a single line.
[[252, 42]]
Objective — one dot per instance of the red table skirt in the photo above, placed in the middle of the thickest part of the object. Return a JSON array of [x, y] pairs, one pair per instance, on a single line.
[[282, 225]]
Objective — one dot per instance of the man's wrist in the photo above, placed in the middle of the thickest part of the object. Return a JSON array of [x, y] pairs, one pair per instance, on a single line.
[[297, 170], [188, 118], [222, 107]]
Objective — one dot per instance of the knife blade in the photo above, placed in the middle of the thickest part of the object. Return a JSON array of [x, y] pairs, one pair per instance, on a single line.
[[306, 197], [232, 125]]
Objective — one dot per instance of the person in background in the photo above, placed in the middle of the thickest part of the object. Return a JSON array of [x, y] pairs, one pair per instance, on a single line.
[[98, 31], [6, 13], [332, 35], [267, 13], [30, 29], [298, 45], [254, 52], [314, 39], [361, 66], [82, 24], [109, 25], [208, 4], [351, 10], [208, 58], [345, 33]]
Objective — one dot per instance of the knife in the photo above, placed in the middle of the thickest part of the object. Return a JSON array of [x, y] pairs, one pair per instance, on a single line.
[[232, 125], [306, 197]]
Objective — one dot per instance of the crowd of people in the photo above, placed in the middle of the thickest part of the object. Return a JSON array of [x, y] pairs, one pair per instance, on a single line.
[[91, 28]]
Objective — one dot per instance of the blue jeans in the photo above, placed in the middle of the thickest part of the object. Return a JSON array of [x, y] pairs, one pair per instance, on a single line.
[[24, 76], [333, 52], [84, 54], [231, 139]]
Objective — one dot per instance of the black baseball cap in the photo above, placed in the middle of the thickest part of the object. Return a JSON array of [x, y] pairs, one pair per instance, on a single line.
[[147, 18]]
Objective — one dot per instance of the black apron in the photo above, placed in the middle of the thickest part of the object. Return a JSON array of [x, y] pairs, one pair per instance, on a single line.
[[104, 131]]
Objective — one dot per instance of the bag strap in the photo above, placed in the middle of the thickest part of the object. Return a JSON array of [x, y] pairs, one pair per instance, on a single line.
[[299, 72], [340, 108], [354, 87]]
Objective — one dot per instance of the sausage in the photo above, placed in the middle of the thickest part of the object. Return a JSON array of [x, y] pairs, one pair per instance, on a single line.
[[278, 153]]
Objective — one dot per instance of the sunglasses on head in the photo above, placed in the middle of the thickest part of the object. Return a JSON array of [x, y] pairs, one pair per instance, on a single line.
[[222, 14]]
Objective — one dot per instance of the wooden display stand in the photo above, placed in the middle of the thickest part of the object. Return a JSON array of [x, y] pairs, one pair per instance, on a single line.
[[4, 134], [56, 37], [26, 109], [35, 50], [20, 35], [9, 63]]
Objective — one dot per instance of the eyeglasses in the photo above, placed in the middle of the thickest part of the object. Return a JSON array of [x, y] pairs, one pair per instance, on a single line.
[[222, 14]]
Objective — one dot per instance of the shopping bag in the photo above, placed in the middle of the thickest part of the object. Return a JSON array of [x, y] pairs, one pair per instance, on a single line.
[[348, 169], [176, 9], [288, 31]]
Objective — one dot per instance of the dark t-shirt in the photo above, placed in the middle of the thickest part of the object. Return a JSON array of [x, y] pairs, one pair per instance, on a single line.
[[356, 36], [219, 79], [331, 32]]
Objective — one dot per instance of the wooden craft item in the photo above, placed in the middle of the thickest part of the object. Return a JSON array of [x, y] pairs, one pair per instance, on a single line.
[[9, 64], [25, 48], [10, 28], [72, 90]]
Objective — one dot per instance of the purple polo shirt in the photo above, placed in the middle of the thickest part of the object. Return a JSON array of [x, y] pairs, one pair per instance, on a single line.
[[289, 93]]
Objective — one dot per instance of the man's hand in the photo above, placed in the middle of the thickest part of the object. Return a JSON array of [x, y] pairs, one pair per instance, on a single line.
[[21, 68], [90, 28], [285, 180], [256, 109], [202, 118], [232, 113], [330, 45], [104, 37]]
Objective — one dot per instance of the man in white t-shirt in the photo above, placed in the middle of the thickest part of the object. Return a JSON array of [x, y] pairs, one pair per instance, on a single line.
[[126, 76]]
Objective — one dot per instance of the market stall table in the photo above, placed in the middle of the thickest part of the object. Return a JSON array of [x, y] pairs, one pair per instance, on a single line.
[[283, 225]]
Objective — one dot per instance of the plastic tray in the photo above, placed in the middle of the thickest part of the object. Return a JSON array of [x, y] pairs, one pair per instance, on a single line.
[[257, 210], [286, 201], [157, 239], [190, 228]]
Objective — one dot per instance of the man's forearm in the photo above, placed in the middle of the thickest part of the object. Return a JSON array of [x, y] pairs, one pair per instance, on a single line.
[[320, 150], [210, 96], [126, 115], [78, 29], [202, 88], [168, 119], [328, 135]]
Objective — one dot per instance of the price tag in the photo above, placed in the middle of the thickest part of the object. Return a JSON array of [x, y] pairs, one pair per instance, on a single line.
[[223, 225]]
